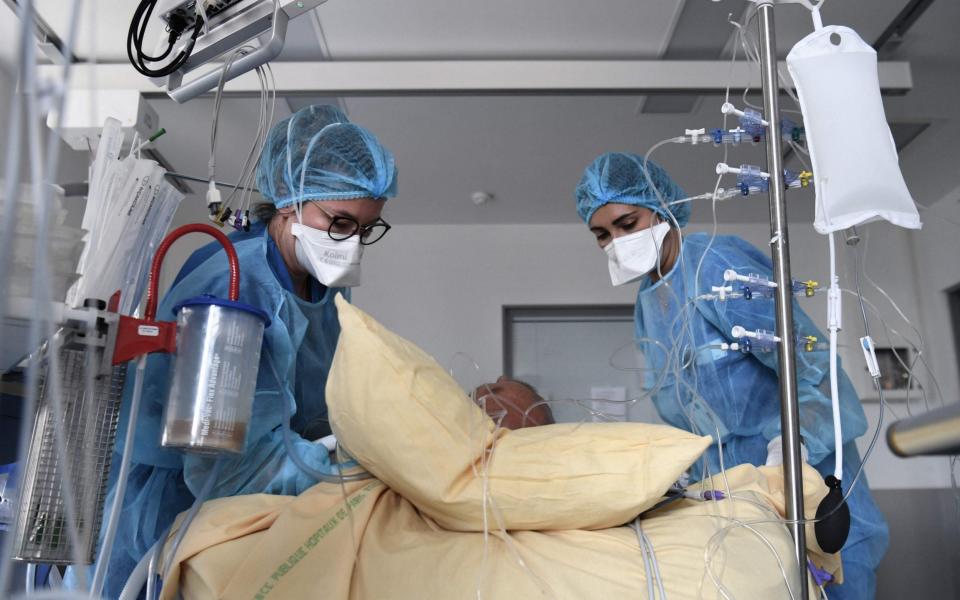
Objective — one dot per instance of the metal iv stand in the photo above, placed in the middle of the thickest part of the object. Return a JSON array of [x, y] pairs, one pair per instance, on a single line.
[[780, 251]]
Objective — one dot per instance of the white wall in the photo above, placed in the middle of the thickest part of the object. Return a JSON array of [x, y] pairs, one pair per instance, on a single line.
[[930, 167], [937, 252], [444, 287]]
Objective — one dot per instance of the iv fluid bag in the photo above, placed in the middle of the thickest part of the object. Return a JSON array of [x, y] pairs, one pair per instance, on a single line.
[[857, 174]]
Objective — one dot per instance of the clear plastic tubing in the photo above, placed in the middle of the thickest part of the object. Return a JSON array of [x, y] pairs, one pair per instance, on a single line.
[[185, 524], [292, 451], [131, 590], [103, 559]]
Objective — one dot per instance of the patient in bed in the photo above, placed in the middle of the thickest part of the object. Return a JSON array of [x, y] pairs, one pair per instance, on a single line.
[[510, 506], [513, 404]]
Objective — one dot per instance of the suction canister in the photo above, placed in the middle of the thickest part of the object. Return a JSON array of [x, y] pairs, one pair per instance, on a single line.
[[214, 375]]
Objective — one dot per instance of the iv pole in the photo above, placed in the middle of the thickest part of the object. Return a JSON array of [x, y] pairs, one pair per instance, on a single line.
[[780, 251]]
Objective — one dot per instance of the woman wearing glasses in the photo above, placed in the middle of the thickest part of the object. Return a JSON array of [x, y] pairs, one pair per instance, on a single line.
[[325, 181]]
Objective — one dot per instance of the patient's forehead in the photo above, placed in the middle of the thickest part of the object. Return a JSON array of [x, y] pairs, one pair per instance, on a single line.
[[507, 387]]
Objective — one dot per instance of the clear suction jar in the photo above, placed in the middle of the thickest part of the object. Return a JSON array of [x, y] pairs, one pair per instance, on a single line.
[[214, 375]]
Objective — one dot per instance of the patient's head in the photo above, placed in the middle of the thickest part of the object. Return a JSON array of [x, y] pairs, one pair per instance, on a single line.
[[513, 404]]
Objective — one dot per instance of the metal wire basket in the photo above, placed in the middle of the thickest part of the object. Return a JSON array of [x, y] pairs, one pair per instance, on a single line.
[[89, 431]]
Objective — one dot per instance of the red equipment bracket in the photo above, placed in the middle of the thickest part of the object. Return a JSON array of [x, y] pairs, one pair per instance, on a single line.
[[142, 336], [145, 336]]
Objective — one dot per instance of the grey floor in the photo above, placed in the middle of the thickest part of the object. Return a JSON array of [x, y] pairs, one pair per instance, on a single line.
[[923, 561]]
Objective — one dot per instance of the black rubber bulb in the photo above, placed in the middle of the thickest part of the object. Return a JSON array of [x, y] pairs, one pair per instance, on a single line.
[[832, 531]]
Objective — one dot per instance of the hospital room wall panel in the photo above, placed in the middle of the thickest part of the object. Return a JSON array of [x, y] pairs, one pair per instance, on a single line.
[[444, 286], [600, 363], [924, 546], [937, 250], [929, 165]]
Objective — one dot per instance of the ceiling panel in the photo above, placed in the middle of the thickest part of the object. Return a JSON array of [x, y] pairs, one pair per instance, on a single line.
[[302, 41], [933, 37], [703, 32], [428, 29], [377, 29], [497, 28]]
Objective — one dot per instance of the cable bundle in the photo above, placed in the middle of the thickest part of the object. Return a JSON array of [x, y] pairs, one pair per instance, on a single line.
[[231, 212], [176, 27]]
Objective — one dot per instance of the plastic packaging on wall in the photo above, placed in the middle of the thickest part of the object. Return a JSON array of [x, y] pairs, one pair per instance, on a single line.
[[129, 209], [854, 157]]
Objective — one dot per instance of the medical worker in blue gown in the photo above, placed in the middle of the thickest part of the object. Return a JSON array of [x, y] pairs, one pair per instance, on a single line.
[[325, 180], [697, 386]]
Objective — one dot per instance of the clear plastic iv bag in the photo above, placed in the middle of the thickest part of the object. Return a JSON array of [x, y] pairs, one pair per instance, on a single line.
[[857, 174]]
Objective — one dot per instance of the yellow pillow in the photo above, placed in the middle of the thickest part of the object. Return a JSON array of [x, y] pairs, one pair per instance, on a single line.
[[409, 423]]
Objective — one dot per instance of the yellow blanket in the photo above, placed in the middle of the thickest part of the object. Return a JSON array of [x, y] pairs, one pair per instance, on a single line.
[[263, 546]]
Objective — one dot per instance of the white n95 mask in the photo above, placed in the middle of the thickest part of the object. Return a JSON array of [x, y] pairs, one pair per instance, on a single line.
[[333, 263], [632, 256]]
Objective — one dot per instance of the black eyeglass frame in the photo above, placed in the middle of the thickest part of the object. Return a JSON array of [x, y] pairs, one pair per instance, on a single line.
[[356, 228]]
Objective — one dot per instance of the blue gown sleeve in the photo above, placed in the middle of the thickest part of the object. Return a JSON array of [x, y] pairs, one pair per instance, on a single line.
[[813, 368]]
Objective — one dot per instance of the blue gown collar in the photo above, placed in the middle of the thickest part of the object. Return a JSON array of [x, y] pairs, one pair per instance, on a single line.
[[647, 284]]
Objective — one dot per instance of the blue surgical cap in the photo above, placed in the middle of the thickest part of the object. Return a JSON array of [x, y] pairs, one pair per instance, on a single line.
[[319, 151], [618, 177]]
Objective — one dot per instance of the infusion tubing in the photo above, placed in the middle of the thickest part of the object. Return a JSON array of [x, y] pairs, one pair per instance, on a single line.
[[586, 403], [486, 459], [852, 485], [106, 548], [678, 364], [265, 117], [687, 329], [182, 530], [288, 434], [919, 346], [489, 505], [742, 36]]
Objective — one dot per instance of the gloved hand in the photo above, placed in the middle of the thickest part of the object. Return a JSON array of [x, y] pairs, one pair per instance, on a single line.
[[329, 441], [775, 452]]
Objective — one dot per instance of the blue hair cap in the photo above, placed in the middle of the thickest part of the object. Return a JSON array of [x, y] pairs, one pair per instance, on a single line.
[[318, 154], [618, 177]]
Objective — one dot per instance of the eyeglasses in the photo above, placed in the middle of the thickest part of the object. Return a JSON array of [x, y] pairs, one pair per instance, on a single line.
[[343, 228]]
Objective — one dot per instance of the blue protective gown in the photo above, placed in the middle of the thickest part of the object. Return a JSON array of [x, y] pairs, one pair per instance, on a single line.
[[738, 394], [301, 339]]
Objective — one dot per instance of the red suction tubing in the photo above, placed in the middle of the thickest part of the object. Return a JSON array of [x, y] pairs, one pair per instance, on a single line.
[[150, 313]]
